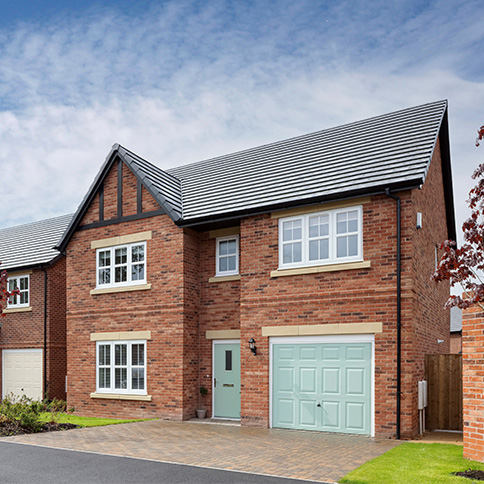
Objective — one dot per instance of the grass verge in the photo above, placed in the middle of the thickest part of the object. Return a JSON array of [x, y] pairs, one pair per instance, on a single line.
[[86, 421], [411, 463]]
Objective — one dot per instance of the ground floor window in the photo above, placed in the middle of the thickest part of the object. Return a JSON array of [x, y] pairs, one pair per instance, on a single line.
[[121, 367]]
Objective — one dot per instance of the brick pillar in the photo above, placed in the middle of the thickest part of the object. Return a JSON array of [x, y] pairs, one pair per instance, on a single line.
[[473, 382]]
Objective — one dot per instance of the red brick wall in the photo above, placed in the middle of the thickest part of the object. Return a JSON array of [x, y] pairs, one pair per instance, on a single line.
[[425, 299], [455, 343], [25, 330], [56, 330], [473, 382], [169, 310], [219, 310], [353, 296]]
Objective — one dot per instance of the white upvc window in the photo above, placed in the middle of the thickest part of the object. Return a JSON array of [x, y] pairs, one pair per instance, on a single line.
[[22, 283], [327, 237], [123, 265], [227, 256], [121, 367]]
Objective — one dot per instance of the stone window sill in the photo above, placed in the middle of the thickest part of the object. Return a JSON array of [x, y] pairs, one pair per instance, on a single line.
[[110, 290], [225, 278], [121, 396], [17, 310], [318, 269]]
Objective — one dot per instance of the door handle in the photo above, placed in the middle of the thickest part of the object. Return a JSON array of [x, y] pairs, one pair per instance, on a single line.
[[214, 382], [318, 405]]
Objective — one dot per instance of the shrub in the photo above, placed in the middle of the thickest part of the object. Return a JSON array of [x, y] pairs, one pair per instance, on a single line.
[[27, 413], [22, 411]]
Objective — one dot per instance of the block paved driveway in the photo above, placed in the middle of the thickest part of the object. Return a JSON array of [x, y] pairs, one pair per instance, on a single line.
[[315, 456]]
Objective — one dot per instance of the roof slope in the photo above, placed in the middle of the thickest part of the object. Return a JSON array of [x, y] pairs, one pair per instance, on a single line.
[[164, 187], [31, 244], [393, 150]]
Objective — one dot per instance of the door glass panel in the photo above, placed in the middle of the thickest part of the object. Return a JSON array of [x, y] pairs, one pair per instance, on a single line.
[[228, 360]]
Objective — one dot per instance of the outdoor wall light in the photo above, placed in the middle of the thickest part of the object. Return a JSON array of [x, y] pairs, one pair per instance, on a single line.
[[252, 346]]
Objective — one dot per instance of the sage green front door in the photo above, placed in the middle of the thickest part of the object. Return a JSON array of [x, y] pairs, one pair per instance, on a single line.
[[226, 380], [322, 386]]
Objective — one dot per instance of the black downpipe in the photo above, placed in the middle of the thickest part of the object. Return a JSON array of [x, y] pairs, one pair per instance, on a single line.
[[45, 334], [399, 307]]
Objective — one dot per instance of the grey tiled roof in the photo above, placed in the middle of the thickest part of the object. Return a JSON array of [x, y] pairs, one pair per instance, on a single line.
[[31, 244], [455, 320], [165, 188], [390, 150]]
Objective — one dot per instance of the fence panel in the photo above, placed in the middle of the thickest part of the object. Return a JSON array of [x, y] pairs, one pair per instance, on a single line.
[[444, 376]]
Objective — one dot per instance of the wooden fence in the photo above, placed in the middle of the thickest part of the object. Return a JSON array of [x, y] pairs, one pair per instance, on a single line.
[[444, 377]]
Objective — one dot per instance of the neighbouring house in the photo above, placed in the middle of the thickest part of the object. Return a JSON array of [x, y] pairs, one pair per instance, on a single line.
[[455, 330], [33, 331], [270, 276], [472, 381]]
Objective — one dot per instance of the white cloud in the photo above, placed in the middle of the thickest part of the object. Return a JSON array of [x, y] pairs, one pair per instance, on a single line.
[[179, 84]]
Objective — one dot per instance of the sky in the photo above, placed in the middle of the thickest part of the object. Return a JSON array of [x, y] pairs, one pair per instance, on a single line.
[[184, 80]]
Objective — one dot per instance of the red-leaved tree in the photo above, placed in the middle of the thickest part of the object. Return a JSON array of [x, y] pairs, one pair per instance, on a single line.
[[464, 266], [5, 294]]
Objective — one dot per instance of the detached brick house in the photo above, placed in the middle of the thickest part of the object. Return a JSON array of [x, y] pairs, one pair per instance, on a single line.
[[33, 331], [269, 276]]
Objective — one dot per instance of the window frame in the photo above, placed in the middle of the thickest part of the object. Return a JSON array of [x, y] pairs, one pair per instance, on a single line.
[[129, 366], [235, 272], [17, 297], [113, 265], [333, 236]]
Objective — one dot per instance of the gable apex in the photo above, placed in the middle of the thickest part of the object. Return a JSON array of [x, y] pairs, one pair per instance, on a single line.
[[163, 187]]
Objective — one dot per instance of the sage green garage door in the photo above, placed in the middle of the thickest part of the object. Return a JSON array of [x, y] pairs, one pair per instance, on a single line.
[[322, 386]]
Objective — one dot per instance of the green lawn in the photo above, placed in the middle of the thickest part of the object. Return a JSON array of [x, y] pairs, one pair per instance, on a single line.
[[415, 464], [86, 421]]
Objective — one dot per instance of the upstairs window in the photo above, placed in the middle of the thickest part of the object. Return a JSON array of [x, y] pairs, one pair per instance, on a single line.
[[22, 283], [227, 257], [328, 237], [123, 265]]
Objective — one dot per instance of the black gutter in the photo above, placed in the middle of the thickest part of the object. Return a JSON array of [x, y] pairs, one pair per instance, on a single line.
[[399, 308], [202, 223], [45, 333]]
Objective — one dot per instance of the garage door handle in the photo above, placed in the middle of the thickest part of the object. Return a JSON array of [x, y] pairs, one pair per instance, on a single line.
[[318, 405]]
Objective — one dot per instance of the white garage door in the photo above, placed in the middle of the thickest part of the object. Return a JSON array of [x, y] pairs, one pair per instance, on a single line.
[[22, 373]]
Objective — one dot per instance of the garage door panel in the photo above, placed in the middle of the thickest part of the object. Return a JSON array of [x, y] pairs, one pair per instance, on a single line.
[[286, 353], [308, 354], [355, 381], [330, 392], [331, 353], [307, 412], [331, 416], [285, 379], [285, 412], [355, 416], [307, 379], [355, 353], [331, 381]]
